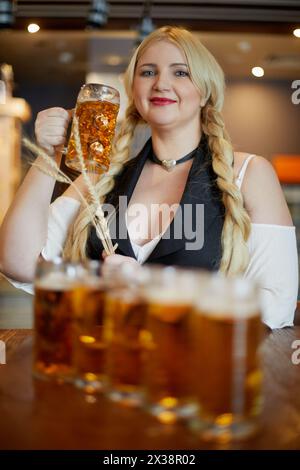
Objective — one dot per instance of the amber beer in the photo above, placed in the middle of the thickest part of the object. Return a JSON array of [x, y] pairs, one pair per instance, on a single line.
[[125, 319], [226, 333], [53, 328], [88, 340], [96, 110], [170, 295], [167, 376]]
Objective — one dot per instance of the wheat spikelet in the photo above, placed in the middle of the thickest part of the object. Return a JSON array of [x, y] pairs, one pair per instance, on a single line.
[[102, 228], [53, 170]]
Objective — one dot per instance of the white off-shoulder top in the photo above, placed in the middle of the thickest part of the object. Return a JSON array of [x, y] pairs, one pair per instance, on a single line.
[[273, 257]]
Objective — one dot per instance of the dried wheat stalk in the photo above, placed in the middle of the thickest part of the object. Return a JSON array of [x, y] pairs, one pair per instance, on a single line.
[[102, 228], [52, 169]]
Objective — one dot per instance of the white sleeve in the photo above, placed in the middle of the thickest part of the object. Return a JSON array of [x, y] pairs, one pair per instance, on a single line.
[[62, 212], [25, 286], [274, 266]]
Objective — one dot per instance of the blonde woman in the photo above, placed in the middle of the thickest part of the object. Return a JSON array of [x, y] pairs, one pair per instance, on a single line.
[[190, 200]]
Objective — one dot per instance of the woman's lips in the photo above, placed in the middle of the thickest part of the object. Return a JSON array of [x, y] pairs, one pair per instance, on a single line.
[[161, 101]]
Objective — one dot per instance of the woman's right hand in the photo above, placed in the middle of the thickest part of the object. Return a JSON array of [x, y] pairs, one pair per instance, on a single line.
[[51, 128]]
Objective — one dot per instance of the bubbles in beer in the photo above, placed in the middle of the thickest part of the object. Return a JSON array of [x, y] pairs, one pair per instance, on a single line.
[[97, 121], [101, 120], [96, 148]]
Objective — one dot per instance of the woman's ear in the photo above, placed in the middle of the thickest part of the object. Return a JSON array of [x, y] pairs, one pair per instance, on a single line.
[[203, 102]]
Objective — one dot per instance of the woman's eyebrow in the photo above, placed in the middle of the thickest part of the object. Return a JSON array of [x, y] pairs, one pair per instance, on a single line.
[[178, 63], [155, 65], [146, 65]]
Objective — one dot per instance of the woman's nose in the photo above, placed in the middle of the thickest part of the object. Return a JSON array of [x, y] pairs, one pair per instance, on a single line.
[[162, 83]]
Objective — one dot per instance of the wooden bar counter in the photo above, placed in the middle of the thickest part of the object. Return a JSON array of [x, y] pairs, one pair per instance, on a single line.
[[43, 415]]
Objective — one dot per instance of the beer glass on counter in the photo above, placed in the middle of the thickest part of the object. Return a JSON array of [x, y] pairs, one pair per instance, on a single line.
[[55, 282], [89, 346], [124, 326], [170, 294], [125, 317], [226, 332], [96, 110]]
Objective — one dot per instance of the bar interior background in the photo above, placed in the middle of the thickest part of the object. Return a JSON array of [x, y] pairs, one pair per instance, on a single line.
[[261, 115]]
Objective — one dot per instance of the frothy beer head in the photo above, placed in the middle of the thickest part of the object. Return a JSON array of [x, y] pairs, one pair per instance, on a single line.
[[228, 298], [56, 281], [170, 295], [171, 292], [170, 285]]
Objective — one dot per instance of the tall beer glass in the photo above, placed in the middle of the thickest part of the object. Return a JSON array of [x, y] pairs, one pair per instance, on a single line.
[[169, 294], [124, 327], [88, 341], [226, 333], [96, 110], [55, 282], [125, 316]]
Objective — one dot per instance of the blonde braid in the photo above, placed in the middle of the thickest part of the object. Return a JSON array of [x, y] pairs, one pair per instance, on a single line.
[[236, 229], [75, 247]]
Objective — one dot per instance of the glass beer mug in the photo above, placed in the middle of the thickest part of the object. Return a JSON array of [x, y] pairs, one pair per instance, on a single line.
[[55, 282], [125, 312], [170, 295], [89, 346], [226, 332], [96, 110]]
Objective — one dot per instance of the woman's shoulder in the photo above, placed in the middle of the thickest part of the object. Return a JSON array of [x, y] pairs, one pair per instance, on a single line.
[[261, 189], [256, 166], [241, 157]]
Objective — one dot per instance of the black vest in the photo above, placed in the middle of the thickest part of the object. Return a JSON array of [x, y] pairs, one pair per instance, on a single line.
[[194, 235]]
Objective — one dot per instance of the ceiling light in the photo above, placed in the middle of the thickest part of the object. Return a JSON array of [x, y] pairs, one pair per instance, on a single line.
[[7, 17], [244, 46], [98, 12], [296, 32], [33, 28], [258, 72], [146, 26]]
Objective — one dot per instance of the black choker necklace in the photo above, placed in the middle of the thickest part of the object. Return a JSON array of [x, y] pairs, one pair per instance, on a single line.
[[170, 164]]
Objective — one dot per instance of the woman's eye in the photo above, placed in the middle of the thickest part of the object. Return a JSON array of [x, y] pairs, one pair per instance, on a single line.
[[181, 73], [147, 73]]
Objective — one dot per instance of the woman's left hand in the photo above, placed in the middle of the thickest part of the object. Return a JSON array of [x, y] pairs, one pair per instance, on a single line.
[[115, 260]]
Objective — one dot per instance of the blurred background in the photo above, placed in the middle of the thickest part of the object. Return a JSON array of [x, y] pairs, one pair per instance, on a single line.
[[55, 46]]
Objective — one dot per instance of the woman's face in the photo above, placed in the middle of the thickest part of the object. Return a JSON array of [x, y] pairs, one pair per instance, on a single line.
[[163, 92]]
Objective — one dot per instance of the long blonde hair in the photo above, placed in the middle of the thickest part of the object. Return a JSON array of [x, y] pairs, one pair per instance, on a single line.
[[208, 78]]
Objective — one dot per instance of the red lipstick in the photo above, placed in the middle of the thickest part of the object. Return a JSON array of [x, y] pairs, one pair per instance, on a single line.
[[161, 101]]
